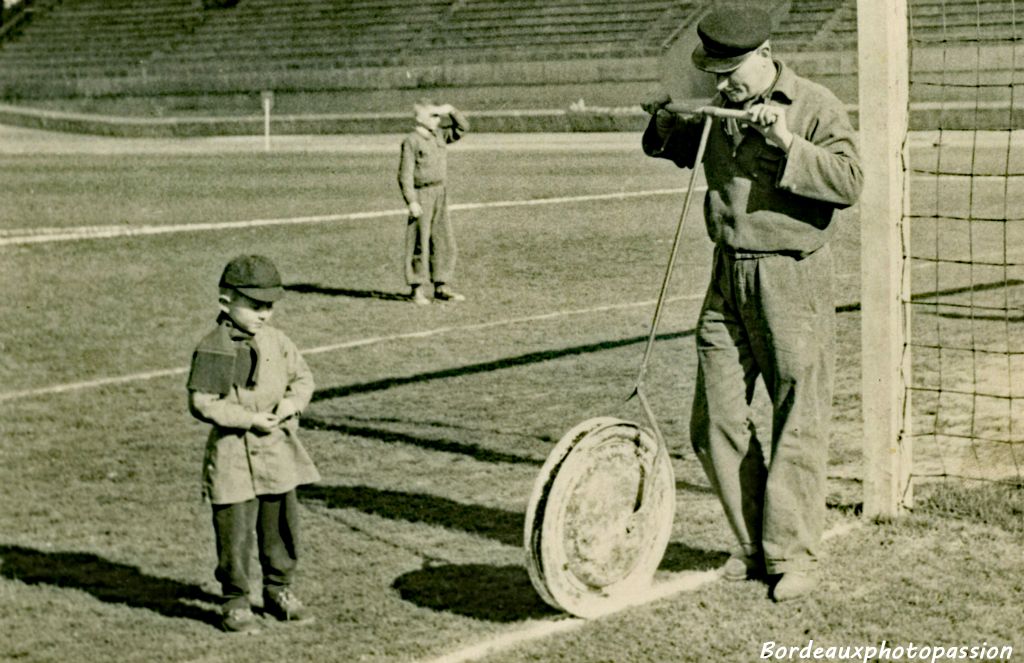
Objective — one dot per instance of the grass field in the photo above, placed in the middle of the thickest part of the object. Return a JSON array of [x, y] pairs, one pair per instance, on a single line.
[[429, 425]]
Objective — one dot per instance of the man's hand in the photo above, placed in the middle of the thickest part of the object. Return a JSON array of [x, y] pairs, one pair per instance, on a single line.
[[444, 109], [415, 210], [264, 422], [770, 122]]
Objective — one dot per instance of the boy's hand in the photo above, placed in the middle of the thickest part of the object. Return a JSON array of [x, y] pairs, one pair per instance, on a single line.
[[264, 422], [285, 409], [415, 210]]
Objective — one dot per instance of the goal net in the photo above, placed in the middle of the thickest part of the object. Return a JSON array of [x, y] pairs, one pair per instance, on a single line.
[[941, 101]]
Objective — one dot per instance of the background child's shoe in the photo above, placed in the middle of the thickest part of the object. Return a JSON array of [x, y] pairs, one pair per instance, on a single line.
[[240, 620], [417, 297], [285, 606], [445, 293]]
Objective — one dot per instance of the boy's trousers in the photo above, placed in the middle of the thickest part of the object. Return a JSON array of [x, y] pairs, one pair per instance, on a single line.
[[271, 523], [429, 240], [770, 315]]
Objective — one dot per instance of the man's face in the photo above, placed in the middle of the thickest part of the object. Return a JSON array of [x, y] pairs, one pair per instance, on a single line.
[[428, 116], [748, 80], [249, 314]]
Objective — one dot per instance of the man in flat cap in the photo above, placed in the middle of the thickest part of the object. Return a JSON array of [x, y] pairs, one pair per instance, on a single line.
[[776, 180]]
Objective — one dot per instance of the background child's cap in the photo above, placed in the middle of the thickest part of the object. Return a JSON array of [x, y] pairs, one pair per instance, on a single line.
[[255, 277]]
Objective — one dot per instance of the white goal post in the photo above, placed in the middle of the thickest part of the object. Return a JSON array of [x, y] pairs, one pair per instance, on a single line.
[[883, 72]]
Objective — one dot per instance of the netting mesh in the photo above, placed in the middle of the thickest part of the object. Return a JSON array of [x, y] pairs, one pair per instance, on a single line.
[[966, 250]]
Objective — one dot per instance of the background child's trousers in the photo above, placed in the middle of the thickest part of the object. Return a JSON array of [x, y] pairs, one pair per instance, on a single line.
[[429, 240], [274, 522]]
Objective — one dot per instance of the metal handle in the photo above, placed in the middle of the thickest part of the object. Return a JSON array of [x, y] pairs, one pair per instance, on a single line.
[[638, 390]]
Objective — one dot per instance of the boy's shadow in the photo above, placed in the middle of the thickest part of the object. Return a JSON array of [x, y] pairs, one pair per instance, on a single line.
[[108, 581], [316, 289]]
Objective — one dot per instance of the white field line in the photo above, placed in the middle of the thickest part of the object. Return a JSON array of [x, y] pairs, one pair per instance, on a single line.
[[345, 345], [689, 581], [17, 236], [40, 235]]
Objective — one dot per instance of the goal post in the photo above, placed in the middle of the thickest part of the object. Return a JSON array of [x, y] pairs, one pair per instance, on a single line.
[[883, 116]]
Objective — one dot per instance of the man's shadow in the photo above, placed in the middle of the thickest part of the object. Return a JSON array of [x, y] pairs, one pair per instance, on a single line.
[[108, 581], [316, 289]]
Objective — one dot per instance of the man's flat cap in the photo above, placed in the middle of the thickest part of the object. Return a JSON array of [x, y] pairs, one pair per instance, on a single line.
[[728, 35]]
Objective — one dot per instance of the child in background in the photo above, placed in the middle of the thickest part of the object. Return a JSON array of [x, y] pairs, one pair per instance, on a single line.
[[250, 383], [429, 241]]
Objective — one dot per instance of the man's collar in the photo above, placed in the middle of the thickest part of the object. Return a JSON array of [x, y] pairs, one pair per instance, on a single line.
[[423, 131], [785, 83]]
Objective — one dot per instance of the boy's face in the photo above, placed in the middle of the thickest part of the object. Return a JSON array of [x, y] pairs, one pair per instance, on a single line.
[[248, 314], [427, 116]]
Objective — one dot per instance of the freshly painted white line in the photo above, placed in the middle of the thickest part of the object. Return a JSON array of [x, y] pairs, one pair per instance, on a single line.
[[678, 583], [356, 343], [40, 235]]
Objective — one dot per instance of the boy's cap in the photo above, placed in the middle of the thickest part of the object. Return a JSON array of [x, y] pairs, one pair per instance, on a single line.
[[255, 277], [728, 35]]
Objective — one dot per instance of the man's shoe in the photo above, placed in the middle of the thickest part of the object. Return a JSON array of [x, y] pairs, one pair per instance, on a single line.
[[285, 606], [240, 620], [446, 294], [418, 297], [794, 585], [742, 567]]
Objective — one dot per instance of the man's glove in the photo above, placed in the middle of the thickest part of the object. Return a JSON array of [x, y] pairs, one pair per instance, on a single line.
[[665, 122], [655, 102]]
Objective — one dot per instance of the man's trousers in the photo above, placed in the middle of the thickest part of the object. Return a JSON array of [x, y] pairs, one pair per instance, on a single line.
[[773, 316]]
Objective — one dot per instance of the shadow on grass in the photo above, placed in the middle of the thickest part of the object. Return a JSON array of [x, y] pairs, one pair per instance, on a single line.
[[503, 526], [496, 524], [434, 444], [488, 366], [317, 289], [681, 557], [108, 581], [491, 593], [918, 296], [505, 593]]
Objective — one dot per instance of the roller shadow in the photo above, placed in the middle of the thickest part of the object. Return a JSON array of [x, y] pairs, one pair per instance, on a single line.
[[107, 581], [491, 593]]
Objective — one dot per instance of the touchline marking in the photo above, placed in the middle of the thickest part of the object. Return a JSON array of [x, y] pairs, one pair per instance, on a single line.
[[373, 340], [681, 582], [41, 235]]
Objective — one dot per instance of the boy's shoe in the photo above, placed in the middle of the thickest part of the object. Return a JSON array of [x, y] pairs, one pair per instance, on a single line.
[[285, 606], [444, 293], [743, 567], [240, 620], [794, 585], [418, 297]]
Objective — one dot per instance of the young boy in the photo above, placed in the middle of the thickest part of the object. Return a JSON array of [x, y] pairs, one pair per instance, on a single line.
[[249, 381], [429, 240]]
